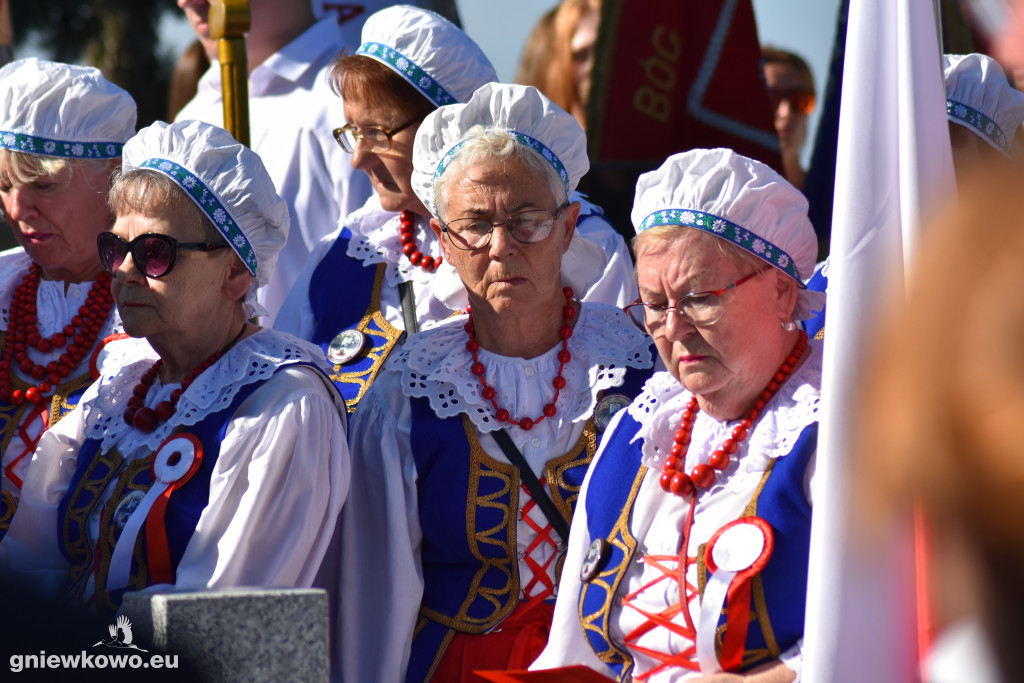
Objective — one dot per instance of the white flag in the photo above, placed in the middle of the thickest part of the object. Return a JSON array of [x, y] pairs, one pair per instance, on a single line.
[[893, 166]]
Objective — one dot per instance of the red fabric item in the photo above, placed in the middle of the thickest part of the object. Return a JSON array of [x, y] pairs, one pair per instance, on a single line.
[[513, 645], [676, 76]]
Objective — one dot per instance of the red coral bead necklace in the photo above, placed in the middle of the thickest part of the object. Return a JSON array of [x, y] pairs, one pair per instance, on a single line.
[[564, 356], [674, 480], [407, 237], [147, 419], [23, 331]]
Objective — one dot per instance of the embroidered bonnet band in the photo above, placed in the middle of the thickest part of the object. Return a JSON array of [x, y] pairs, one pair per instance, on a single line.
[[727, 230], [409, 70], [525, 140], [211, 206], [31, 144], [979, 123]]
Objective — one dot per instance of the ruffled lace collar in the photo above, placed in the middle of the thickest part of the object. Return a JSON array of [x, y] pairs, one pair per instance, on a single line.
[[376, 239], [659, 409], [253, 359], [435, 365]]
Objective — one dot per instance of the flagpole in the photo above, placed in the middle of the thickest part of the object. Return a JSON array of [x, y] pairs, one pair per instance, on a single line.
[[229, 22], [893, 164]]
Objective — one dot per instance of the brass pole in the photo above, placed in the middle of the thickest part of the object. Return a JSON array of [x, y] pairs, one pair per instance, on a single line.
[[229, 22]]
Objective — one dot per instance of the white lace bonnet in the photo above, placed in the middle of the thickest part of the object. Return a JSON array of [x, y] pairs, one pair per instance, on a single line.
[[225, 179], [979, 97], [531, 118], [739, 200], [62, 110], [429, 51]]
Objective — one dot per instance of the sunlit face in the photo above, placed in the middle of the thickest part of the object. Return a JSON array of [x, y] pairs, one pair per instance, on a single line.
[[390, 171], [198, 14], [582, 46], [180, 304], [733, 358], [56, 218], [1008, 47], [790, 123], [506, 276]]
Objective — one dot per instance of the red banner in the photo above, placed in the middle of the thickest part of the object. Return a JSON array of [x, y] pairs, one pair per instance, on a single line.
[[672, 75]]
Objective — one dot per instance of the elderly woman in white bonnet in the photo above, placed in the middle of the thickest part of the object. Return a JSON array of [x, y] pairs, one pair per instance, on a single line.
[[984, 110], [220, 460], [374, 278], [62, 128], [451, 544], [385, 259], [697, 505]]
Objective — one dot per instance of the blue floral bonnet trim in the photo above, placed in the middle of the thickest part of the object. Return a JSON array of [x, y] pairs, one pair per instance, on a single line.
[[211, 206], [729, 231], [30, 144], [985, 126], [522, 139], [409, 70]]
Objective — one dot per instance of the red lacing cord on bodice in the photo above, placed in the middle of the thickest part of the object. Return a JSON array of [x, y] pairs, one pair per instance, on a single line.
[[35, 410], [541, 575], [686, 659]]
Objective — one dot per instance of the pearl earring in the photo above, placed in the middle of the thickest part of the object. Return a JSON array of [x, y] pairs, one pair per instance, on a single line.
[[789, 326]]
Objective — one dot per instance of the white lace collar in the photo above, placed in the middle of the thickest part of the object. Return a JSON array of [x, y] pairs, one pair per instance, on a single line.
[[253, 359], [435, 364], [376, 239], [659, 409]]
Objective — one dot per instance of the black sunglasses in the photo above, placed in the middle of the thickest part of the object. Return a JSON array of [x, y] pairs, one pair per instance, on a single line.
[[154, 254]]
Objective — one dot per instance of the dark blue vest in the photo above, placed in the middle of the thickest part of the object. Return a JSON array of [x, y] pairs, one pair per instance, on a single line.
[[95, 470], [471, 571], [778, 592], [344, 294]]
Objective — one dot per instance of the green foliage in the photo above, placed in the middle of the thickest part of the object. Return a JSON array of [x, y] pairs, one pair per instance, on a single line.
[[117, 36]]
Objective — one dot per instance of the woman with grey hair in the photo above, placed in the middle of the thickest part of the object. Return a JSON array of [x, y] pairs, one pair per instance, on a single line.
[[688, 553], [218, 458], [472, 444]]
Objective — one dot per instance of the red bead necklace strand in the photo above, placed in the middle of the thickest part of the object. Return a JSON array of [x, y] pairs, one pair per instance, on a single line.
[[564, 356], [674, 480], [23, 331], [147, 419], [407, 231]]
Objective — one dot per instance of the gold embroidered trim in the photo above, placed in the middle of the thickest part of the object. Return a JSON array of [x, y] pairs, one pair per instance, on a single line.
[[125, 485], [378, 353], [503, 598], [621, 538], [760, 611], [79, 516], [10, 505], [445, 642], [555, 469]]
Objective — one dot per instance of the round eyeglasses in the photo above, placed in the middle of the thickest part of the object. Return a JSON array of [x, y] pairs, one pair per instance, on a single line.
[[696, 308], [153, 254], [378, 138], [526, 227]]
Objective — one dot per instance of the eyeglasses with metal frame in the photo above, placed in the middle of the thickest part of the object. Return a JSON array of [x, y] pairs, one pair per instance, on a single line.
[[525, 227], [377, 137], [697, 308], [154, 254]]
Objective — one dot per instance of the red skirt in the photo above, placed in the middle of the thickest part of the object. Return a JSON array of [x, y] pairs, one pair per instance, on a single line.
[[513, 644]]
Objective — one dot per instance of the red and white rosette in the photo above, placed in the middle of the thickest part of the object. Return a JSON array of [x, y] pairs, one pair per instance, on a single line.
[[734, 555], [175, 462]]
